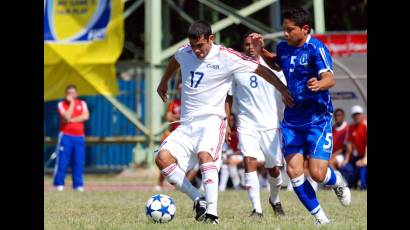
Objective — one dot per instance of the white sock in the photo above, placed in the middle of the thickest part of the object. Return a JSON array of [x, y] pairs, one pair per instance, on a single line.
[[275, 185], [234, 174], [224, 177], [210, 182], [327, 178], [252, 185], [241, 172], [313, 183], [320, 215], [176, 176]]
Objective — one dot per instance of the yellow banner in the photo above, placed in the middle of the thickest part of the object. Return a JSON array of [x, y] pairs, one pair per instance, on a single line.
[[82, 41]]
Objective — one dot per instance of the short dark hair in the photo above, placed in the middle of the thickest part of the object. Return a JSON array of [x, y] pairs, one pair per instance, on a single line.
[[299, 16], [71, 86], [247, 34], [199, 28], [339, 110]]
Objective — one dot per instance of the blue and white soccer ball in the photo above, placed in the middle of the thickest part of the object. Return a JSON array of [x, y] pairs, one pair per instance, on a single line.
[[160, 208]]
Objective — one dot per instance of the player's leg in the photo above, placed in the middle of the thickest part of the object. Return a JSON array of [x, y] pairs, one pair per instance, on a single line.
[[307, 174], [223, 180], [293, 143], [252, 185], [209, 147], [161, 177], [275, 184], [172, 158], [272, 148], [210, 180], [63, 151], [320, 142], [174, 174], [224, 174], [233, 162], [250, 148], [78, 161]]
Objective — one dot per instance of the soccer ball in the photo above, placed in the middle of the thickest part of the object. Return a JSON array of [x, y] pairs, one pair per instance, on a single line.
[[160, 208]]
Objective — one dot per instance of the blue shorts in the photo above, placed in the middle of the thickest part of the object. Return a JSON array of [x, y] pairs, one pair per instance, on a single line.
[[313, 139]]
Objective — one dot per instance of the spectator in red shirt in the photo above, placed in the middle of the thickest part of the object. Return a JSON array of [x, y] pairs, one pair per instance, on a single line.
[[355, 165], [71, 145], [340, 131]]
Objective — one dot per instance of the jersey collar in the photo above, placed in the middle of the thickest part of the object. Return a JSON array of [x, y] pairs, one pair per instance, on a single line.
[[308, 39]]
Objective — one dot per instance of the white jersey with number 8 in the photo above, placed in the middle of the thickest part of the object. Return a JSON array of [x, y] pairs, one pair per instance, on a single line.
[[259, 103]]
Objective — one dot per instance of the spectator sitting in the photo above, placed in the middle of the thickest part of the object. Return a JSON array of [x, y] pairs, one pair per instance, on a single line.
[[355, 165]]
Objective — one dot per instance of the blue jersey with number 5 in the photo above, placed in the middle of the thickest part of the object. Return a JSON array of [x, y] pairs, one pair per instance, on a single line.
[[299, 64]]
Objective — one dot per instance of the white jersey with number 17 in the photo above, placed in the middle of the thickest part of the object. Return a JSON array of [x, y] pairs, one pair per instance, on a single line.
[[259, 104], [205, 83]]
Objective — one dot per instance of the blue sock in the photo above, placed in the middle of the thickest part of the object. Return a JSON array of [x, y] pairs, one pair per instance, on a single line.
[[330, 178], [305, 193]]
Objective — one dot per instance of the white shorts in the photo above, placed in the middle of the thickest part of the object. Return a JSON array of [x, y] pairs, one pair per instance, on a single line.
[[202, 134], [262, 145]]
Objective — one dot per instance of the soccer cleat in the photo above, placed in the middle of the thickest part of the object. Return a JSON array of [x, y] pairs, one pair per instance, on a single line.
[[60, 188], [200, 209], [277, 208], [211, 219], [319, 223], [343, 192], [256, 214]]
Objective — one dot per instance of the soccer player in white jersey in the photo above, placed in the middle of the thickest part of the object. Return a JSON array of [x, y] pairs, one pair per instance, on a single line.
[[260, 109], [206, 71]]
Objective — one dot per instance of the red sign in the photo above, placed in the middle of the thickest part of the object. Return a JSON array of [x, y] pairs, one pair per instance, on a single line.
[[344, 44]]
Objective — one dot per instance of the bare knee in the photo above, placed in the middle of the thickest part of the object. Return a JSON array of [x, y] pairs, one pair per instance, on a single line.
[[318, 169], [294, 171], [204, 157], [317, 174], [274, 172], [164, 159], [251, 164]]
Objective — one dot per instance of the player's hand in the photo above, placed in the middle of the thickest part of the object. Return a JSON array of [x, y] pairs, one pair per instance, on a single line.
[[228, 134], [257, 42], [162, 91], [287, 98], [314, 84]]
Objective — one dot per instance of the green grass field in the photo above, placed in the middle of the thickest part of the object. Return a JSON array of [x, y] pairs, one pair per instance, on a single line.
[[126, 209]]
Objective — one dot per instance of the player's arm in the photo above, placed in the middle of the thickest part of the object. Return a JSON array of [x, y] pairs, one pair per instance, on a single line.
[[228, 107], [84, 116], [268, 57], [271, 77], [326, 82], [162, 89], [323, 64]]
